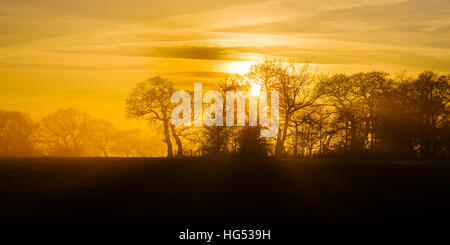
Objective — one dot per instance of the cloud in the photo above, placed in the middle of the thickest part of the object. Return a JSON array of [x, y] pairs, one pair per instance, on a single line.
[[320, 31], [207, 53], [57, 52], [118, 11], [230, 16], [179, 52], [395, 22]]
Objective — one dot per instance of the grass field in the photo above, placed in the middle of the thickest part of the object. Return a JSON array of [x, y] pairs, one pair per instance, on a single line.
[[158, 191]]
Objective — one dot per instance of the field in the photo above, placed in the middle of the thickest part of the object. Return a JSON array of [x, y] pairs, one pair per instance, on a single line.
[[158, 191]]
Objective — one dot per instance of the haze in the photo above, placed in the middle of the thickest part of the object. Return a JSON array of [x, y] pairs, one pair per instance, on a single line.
[[89, 54]]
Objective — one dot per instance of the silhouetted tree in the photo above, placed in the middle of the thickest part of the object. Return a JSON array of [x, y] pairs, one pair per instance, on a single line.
[[250, 144], [296, 86], [64, 133], [309, 131], [16, 129], [370, 88], [101, 136], [431, 97], [396, 124], [151, 100], [136, 143], [217, 140]]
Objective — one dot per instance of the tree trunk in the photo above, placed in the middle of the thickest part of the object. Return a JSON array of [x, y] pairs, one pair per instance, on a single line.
[[167, 139], [354, 141], [346, 135], [278, 144], [177, 141], [296, 141], [372, 135], [281, 138], [105, 153]]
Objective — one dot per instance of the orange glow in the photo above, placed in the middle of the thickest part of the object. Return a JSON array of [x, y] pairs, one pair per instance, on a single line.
[[255, 89], [239, 67], [79, 54]]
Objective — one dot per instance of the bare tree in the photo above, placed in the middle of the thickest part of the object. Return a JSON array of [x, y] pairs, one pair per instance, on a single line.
[[296, 84], [151, 100], [101, 136], [431, 96], [136, 143], [16, 129], [64, 133]]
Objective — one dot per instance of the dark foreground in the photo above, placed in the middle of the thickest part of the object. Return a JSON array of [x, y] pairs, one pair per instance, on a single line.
[[211, 191]]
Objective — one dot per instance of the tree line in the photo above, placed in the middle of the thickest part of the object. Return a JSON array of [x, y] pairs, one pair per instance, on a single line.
[[70, 133], [321, 115], [366, 114]]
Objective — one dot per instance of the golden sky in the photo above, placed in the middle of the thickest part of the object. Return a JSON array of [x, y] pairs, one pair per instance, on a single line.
[[89, 54]]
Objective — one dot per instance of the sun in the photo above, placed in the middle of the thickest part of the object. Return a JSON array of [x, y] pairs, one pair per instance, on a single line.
[[255, 89], [239, 67]]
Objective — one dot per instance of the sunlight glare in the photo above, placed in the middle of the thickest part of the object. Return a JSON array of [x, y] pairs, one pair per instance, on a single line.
[[239, 67], [255, 90]]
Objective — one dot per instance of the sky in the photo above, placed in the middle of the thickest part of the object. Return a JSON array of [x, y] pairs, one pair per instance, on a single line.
[[89, 54]]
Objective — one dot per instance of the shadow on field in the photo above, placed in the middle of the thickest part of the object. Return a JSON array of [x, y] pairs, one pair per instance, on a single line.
[[158, 191]]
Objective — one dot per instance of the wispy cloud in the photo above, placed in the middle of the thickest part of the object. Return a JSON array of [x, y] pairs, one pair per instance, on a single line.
[[96, 44]]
